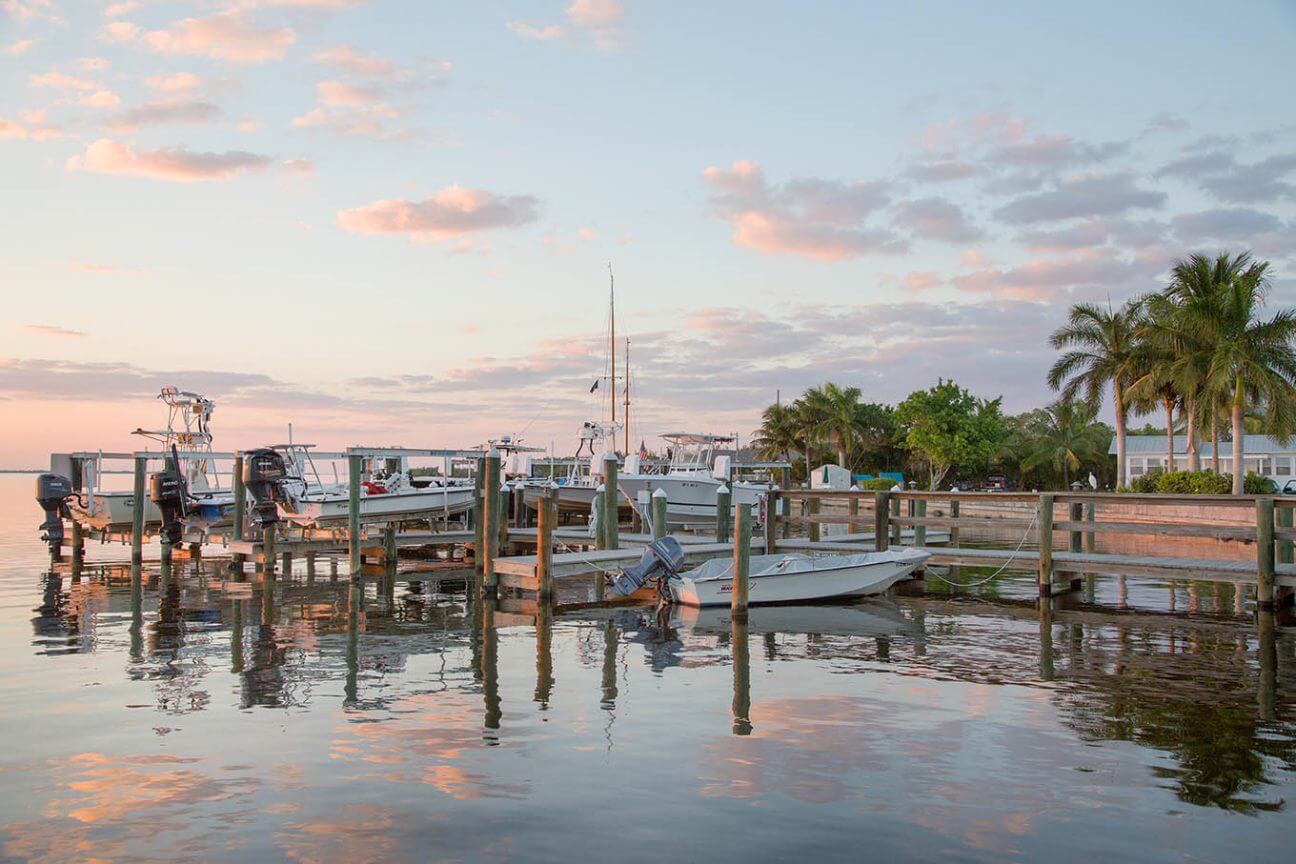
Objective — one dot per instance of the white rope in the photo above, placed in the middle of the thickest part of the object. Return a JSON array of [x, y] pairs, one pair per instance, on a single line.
[[1001, 569], [584, 560]]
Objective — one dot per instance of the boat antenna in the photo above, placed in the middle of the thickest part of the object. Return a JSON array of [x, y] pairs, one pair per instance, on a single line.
[[612, 345], [627, 396]]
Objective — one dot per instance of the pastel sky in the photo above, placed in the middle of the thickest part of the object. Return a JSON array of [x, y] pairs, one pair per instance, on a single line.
[[389, 221]]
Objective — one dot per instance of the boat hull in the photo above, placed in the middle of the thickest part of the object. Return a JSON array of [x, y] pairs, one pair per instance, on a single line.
[[571, 499], [798, 578], [413, 504], [690, 498]]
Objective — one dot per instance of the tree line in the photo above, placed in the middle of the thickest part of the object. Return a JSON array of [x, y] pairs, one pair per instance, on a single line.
[[1200, 353]]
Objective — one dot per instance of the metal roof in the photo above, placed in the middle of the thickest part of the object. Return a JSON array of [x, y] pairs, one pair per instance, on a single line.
[[1155, 445]]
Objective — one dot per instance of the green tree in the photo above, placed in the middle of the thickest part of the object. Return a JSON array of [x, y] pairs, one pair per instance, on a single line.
[[777, 436], [1247, 356], [1064, 438], [839, 423], [1101, 353], [947, 426]]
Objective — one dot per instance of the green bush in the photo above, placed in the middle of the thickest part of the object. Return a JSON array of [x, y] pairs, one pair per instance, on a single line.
[[876, 484], [1197, 483]]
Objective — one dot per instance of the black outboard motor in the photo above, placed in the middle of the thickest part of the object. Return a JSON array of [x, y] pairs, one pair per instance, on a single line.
[[168, 490], [661, 560], [52, 493], [264, 473]]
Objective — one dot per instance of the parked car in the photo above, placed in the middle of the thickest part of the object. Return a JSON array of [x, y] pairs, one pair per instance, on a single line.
[[997, 483]]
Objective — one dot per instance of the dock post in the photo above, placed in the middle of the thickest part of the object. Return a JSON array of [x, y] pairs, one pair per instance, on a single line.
[[240, 510], [547, 513], [643, 511], [881, 516], [1044, 516], [895, 526], [137, 515], [1091, 538], [389, 550], [1076, 514], [502, 505], [354, 468], [598, 515], [954, 530], [722, 513], [1265, 554], [771, 520], [1282, 596], [659, 514], [920, 531], [785, 482], [611, 509], [741, 561], [490, 523], [853, 509], [78, 541], [475, 514], [811, 511], [267, 549]]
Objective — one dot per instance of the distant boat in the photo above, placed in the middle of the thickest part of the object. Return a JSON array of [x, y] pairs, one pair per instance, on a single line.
[[692, 480], [797, 578]]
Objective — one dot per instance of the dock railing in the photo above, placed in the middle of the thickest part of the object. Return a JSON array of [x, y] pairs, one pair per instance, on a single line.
[[881, 519]]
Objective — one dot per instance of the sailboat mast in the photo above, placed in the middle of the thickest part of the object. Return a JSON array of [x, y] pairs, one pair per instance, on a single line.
[[612, 346], [627, 397]]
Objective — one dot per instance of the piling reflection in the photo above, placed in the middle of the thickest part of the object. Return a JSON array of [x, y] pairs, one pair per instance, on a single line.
[[490, 672], [544, 655], [740, 649]]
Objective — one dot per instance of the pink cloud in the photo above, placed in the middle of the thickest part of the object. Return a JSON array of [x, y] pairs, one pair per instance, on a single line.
[[55, 80], [541, 33], [921, 281], [298, 167], [228, 35], [30, 127], [973, 258], [53, 330], [106, 156], [355, 62], [21, 46], [603, 20], [453, 212], [176, 82], [336, 93]]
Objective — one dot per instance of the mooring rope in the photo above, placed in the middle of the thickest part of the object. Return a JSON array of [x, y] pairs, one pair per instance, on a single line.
[[1002, 567]]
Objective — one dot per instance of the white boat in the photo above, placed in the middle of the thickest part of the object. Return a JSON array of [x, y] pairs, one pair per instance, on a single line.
[[188, 430], [692, 480], [797, 578], [383, 495]]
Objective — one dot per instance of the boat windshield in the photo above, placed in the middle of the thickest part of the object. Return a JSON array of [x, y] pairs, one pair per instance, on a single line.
[[692, 453]]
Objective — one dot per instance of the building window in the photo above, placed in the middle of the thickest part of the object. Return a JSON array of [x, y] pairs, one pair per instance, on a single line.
[[1282, 466], [1136, 468]]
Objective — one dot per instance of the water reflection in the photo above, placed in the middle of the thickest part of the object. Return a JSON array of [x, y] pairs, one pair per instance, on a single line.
[[972, 710]]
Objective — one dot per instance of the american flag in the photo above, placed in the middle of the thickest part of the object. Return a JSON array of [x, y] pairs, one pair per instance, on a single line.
[[643, 449]]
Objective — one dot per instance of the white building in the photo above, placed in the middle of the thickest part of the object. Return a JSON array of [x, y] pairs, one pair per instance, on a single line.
[[1263, 455]]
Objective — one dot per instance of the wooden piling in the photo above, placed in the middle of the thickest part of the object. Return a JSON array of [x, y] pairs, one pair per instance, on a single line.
[[920, 531], [1091, 537], [1265, 554], [741, 560], [547, 521], [659, 514], [137, 514], [78, 540], [1044, 516], [1076, 514], [267, 549], [475, 514], [853, 509], [611, 492], [1285, 548], [354, 468], [771, 520], [895, 526], [881, 516], [490, 524], [598, 515], [722, 513], [812, 527], [240, 509], [389, 550], [954, 529], [739, 645]]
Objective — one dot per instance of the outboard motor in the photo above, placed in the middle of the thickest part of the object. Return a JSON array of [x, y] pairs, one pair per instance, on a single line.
[[661, 560], [52, 493], [168, 490], [264, 473]]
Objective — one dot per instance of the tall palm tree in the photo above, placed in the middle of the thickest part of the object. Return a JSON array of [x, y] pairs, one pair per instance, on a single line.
[[1065, 436], [840, 423], [777, 436], [811, 410], [1101, 354], [1249, 357]]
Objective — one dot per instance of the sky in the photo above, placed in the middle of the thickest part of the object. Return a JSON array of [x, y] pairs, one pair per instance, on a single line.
[[390, 222]]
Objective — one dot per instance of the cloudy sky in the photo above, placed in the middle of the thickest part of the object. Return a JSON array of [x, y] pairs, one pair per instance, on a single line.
[[390, 221]]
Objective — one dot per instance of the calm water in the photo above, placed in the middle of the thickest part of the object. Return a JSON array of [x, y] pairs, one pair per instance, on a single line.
[[193, 718]]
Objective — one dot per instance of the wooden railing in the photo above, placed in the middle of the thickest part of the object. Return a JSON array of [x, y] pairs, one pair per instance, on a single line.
[[1265, 520]]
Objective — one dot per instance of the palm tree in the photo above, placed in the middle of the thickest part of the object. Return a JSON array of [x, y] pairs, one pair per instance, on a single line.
[[811, 411], [777, 436], [1065, 436], [1102, 353], [1250, 358], [840, 422]]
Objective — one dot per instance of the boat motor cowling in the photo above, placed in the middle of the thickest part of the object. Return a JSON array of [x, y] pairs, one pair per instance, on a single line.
[[661, 560], [264, 473], [167, 490], [52, 493]]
